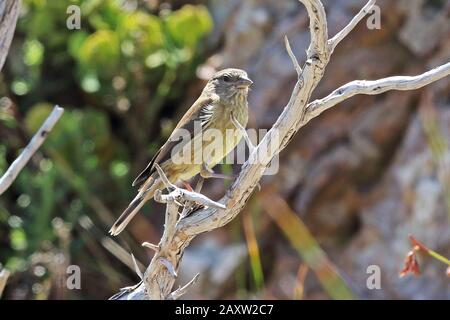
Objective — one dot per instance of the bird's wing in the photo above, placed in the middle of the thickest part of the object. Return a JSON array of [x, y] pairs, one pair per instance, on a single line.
[[201, 110]]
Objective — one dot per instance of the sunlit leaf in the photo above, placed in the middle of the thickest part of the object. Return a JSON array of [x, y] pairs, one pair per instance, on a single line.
[[143, 30], [33, 52], [20, 87], [75, 42], [101, 52], [119, 169], [90, 83], [18, 239], [156, 59], [189, 24]]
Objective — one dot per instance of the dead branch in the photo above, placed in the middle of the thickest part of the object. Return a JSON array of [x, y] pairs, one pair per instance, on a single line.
[[11, 174], [375, 87]]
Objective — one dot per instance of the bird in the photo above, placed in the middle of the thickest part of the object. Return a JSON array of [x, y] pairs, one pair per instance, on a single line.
[[207, 132]]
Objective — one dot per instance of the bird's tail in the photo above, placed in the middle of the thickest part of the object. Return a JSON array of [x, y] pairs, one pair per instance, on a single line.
[[145, 194]]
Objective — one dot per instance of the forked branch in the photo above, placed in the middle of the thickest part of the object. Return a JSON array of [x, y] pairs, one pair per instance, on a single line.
[[333, 42]]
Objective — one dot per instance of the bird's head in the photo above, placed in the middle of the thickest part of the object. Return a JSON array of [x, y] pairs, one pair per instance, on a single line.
[[228, 83]]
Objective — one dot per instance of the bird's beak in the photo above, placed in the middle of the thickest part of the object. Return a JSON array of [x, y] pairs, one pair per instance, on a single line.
[[243, 83]]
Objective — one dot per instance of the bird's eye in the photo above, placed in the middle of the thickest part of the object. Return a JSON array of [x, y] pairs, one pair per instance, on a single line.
[[226, 78]]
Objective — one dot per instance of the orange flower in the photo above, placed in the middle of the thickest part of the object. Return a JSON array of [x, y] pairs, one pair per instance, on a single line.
[[411, 264]]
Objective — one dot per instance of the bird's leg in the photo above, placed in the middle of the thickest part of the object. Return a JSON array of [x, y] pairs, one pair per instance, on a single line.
[[187, 186], [206, 173], [238, 126]]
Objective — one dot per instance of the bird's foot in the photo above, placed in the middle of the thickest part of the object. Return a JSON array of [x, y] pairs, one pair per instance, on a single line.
[[206, 173]]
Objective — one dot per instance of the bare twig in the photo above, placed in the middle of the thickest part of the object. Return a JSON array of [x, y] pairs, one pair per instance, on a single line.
[[30, 149], [164, 178], [377, 87], [158, 281], [152, 246], [136, 267], [333, 42], [182, 290], [247, 139], [291, 54], [186, 195]]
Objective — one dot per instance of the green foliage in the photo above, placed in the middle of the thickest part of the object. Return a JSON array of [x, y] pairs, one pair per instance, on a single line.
[[195, 19], [136, 45], [100, 53], [115, 76]]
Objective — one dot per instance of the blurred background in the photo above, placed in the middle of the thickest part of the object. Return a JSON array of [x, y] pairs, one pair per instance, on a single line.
[[352, 185]]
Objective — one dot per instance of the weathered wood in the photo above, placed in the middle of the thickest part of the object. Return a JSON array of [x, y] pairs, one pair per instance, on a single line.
[[9, 12]]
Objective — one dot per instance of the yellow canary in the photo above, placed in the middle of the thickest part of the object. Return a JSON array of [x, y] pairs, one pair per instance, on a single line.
[[202, 138]]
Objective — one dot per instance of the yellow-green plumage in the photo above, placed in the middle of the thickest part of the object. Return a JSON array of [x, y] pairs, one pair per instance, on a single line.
[[218, 139], [225, 94]]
